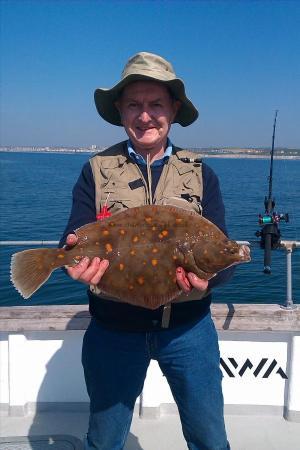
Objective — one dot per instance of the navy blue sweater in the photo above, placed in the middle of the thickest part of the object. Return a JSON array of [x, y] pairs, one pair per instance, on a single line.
[[123, 316]]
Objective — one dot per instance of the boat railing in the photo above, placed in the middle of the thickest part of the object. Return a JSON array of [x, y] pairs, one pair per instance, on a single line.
[[288, 245]]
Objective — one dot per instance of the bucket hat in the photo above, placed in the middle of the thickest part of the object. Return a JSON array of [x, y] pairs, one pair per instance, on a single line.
[[142, 67]]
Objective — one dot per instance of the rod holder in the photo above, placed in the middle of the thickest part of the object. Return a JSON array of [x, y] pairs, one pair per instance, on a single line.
[[289, 246]]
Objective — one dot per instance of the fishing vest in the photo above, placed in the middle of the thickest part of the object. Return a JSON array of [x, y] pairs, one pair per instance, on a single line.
[[120, 184]]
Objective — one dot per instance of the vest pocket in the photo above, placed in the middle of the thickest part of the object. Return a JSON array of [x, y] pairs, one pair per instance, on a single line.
[[181, 203], [119, 205], [119, 196]]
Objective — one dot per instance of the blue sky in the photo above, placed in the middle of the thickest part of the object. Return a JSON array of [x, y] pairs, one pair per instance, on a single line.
[[240, 61]]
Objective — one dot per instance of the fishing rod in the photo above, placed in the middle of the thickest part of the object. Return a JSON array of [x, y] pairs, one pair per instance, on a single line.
[[269, 221]]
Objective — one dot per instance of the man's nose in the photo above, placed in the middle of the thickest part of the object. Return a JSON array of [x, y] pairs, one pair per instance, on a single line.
[[145, 116]]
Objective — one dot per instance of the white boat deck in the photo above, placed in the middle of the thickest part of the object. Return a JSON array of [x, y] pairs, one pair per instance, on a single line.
[[244, 432], [260, 354]]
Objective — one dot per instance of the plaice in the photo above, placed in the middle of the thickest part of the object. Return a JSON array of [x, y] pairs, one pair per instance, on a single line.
[[144, 246]]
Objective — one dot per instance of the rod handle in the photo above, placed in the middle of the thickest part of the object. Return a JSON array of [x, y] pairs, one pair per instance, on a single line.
[[267, 254]]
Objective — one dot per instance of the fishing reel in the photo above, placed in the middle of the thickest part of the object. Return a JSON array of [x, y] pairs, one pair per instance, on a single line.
[[271, 217], [274, 218], [270, 233]]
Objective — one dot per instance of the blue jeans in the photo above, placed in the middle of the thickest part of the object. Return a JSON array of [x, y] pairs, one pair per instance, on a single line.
[[115, 365]]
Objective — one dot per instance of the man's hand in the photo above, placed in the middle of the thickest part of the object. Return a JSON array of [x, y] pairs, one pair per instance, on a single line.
[[88, 272], [188, 281]]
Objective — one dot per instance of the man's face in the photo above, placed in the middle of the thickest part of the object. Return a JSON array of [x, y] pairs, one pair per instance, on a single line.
[[147, 111]]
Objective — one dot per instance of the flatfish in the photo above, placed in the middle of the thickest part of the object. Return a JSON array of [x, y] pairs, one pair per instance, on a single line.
[[144, 246]]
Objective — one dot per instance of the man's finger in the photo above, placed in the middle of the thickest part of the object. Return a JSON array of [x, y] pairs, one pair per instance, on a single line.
[[197, 282], [71, 240], [77, 271], [100, 272], [89, 273], [182, 280]]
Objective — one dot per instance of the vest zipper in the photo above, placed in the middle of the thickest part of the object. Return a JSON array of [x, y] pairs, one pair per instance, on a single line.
[[149, 179], [145, 184]]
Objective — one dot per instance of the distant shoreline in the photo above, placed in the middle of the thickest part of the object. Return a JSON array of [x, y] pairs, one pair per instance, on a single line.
[[202, 154]]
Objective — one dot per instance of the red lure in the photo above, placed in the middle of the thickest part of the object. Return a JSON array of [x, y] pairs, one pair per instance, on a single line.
[[103, 214]]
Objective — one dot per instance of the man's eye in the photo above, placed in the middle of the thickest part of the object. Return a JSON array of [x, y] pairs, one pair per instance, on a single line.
[[132, 105]]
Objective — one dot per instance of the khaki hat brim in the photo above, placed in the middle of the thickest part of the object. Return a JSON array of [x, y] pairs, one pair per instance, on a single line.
[[105, 99]]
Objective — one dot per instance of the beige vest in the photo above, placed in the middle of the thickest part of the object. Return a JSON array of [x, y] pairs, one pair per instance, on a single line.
[[120, 184]]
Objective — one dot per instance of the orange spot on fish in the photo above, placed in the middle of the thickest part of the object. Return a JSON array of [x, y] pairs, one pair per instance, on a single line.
[[141, 281], [132, 252], [105, 232], [108, 247], [135, 239], [153, 228], [148, 219], [130, 287], [154, 250], [121, 266], [154, 262], [60, 255], [144, 263], [163, 234], [178, 220], [174, 257], [97, 243], [122, 232]]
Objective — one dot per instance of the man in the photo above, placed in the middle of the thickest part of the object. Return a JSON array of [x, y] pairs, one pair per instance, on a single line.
[[122, 339]]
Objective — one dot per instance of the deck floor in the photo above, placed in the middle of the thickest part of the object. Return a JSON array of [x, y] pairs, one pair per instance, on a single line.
[[244, 432]]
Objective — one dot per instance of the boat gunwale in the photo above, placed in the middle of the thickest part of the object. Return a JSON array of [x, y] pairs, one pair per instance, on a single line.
[[227, 317]]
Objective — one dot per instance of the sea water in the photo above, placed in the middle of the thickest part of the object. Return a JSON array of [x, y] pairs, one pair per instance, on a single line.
[[36, 198]]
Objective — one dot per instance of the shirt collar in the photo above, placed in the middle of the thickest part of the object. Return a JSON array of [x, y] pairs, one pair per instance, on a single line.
[[136, 157]]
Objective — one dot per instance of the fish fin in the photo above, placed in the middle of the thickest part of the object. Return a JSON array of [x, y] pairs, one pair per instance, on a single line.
[[155, 301], [147, 301], [30, 269]]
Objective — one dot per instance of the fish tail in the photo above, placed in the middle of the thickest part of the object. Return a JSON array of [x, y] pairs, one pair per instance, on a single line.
[[30, 269]]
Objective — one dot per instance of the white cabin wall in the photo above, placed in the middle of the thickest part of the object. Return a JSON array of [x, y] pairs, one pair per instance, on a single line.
[[4, 397], [42, 369]]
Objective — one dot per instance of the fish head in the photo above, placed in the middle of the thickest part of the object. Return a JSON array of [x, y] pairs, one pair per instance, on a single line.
[[214, 256]]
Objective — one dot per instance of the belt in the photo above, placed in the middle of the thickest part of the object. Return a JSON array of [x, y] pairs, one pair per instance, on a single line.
[[166, 314]]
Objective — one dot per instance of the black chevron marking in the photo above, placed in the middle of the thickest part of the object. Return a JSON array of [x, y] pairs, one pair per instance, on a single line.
[[226, 368], [260, 366], [270, 369], [233, 362], [247, 365], [282, 373]]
